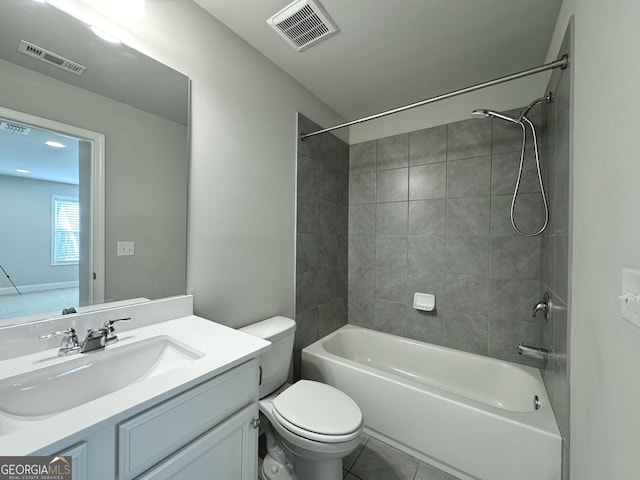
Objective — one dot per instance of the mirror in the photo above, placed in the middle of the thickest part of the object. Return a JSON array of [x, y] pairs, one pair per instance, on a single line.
[[141, 108]]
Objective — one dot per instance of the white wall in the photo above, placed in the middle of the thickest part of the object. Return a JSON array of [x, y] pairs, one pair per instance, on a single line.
[[25, 240], [605, 349], [502, 97], [240, 260]]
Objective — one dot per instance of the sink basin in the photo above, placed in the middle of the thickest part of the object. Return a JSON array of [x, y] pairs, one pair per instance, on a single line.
[[50, 390]]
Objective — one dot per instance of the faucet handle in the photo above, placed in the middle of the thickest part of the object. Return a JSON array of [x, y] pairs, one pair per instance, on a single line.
[[69, 343], [108, 327], [544, 306], [69, 332], [109, 323]]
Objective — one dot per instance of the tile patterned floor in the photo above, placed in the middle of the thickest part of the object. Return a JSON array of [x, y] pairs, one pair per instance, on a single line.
[[375, 460]]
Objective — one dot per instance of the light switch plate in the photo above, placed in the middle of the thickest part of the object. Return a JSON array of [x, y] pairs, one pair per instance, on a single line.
[[630, 297], [126, 249]]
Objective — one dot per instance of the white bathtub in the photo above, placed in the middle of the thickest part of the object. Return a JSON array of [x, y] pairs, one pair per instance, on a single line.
[[470, 415]]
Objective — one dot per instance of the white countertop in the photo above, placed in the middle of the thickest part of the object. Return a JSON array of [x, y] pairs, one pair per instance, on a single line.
[[223, 348]]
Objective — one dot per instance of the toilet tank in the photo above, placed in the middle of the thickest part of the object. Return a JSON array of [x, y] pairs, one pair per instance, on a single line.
[[274, 362]]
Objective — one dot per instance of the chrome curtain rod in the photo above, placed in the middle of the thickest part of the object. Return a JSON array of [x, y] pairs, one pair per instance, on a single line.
[[562, 62]]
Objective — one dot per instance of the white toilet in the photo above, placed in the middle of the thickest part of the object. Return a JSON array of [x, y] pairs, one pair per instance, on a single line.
[[313, 425]]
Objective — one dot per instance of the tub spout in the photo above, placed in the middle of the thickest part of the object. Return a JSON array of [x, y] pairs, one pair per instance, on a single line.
[[537, 353]]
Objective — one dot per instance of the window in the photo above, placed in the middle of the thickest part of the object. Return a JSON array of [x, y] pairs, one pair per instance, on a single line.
[[66, 231]]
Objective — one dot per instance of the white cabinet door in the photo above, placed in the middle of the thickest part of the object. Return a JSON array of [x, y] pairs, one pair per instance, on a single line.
[[79, 462], [147, 439], [228, 451]]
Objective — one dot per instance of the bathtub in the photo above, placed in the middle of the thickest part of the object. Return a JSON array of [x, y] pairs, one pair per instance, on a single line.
[[469, 415]]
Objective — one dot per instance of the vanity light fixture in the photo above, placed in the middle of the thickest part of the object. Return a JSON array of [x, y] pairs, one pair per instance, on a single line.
[[22, 170], [55, 144], [107, 37]]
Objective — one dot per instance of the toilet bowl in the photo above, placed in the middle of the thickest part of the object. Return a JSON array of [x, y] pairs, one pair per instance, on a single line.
[[311, 426]]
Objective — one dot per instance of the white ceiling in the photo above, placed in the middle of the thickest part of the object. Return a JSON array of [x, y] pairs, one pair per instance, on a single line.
[[390, 53], [29, 152], [115, 71]]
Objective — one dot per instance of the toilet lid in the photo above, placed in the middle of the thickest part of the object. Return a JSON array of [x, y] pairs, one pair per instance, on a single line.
[[318, 408]]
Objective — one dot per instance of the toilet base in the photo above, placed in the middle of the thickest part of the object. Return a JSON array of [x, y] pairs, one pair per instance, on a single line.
[[272, 470]]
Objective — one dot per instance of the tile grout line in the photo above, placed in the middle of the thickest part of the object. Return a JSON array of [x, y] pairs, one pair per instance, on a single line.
[[357, 457]]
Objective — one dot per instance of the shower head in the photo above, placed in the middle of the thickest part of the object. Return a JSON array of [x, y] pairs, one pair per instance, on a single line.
[[483, 113], [480, 113]]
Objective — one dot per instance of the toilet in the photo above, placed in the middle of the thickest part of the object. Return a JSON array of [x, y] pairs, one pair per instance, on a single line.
[[310, 426]]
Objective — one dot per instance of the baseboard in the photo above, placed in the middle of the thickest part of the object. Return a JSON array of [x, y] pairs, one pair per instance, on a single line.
[[40, 287]]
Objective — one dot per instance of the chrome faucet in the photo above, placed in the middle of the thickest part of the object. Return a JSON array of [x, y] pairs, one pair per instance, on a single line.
[[96, 339], [543, 306], [537, 353]]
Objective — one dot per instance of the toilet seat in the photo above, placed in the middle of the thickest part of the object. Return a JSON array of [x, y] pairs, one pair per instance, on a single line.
[[318, 412]]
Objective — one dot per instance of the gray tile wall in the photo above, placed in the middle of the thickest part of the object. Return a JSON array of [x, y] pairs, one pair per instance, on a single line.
[[555, 246], [429, 212], [321, 237]]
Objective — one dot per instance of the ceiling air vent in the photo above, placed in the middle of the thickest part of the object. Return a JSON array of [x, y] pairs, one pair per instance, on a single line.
[[14, 128], [302, 24], [51, 58]]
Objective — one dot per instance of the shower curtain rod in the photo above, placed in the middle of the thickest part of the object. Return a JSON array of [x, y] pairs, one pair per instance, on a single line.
[[562, 62]]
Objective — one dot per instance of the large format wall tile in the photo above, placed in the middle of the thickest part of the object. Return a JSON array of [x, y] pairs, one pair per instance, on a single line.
[[428, 145], [426, 253], [322, 225], [392, 185], [362, 219], [362, 188], [389, 317], [427, 181], [527, 214], [469, 138], [362, 157], [471, 177], [427, 217], [442, 226], [468, 255], [505, 167], [391, 284], [391, 251], [467, 331], [392, 152], [392, 218], [362, 250], [468, 216]]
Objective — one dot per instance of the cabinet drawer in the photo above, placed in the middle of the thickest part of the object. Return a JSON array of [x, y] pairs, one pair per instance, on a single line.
[[151, 436]]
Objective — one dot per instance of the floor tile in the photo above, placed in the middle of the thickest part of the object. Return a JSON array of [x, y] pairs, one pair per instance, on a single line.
[[350, 476], [379, 461], [427, 472], [349, 460]]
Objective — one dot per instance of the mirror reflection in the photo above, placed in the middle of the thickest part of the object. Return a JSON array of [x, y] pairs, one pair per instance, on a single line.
[[55, 246]]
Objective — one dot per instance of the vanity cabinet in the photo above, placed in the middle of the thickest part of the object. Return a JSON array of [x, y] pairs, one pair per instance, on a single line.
[[222, 452], [207, 431]]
